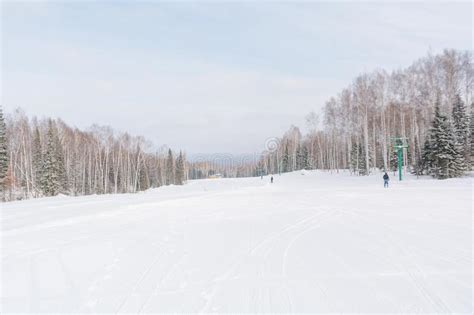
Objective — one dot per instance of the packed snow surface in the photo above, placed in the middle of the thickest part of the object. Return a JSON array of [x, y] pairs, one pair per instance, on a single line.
[[310, 242]]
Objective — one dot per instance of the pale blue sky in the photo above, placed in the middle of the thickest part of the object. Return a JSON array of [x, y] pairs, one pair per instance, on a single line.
[[207, 76]]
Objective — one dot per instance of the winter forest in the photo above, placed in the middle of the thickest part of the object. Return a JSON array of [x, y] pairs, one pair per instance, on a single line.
[[430, 104], [47, 158]]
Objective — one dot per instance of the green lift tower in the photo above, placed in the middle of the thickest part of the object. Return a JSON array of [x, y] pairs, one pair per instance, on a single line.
[[399, 144]]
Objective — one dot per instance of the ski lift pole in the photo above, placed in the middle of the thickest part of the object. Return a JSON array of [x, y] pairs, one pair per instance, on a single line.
[[399, 144]]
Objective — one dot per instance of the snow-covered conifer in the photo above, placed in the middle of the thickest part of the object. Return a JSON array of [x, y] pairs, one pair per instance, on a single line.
[[170, 168], [50, 182], [37, 157], [285, 160], [443, 150], [180, 171], [461, 134]]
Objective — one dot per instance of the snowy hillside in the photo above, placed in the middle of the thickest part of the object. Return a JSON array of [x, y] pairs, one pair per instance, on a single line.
[[316, 242]]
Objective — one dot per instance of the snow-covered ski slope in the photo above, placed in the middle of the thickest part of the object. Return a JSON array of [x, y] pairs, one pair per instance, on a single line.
[[316, 242]]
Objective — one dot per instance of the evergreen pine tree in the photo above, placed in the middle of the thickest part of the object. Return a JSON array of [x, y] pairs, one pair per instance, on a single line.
[[3, 151], [50, 182], [305, 158], [285, 162], [362, 161], [180, 176], [355, 158], [458, 166], [461, 135], [299, 158], [169, 168], [37, 158], [358, 161], [426, 161], [444, 154]]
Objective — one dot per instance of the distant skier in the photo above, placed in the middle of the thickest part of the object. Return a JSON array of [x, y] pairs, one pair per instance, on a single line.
[[271, 179], [385, 180]]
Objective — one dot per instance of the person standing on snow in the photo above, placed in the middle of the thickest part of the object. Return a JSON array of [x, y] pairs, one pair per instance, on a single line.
[[385, 180], [271, 179]]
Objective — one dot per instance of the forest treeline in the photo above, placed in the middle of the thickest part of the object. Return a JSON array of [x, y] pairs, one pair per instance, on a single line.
[[222, 165], [429, 105], [47, 157]]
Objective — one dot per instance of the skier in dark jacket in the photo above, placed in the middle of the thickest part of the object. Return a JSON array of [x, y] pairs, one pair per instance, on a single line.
[[385, 180], [271, 179]]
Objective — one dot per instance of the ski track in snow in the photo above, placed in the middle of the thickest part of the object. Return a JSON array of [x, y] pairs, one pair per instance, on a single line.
[[311, 242], [417, 277]]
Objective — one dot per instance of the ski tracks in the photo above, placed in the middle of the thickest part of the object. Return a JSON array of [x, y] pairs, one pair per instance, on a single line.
[[290, 234], [411, 268], [172, 267]]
